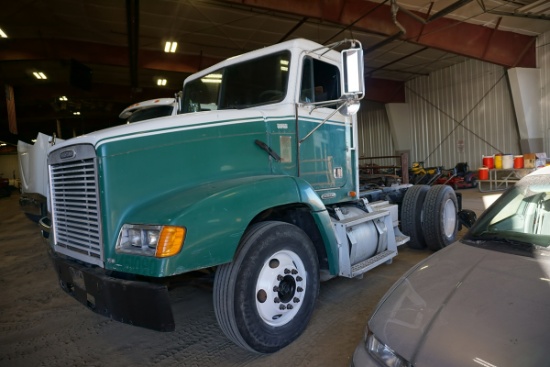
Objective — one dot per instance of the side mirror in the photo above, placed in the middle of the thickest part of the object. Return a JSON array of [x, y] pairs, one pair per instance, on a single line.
[[467, 217], [353, 70]]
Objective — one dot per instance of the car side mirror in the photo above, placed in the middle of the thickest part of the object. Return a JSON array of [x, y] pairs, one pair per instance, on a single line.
[[467, 217]]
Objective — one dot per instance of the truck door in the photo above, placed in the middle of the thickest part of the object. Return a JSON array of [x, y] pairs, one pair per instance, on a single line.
[[324, 155]]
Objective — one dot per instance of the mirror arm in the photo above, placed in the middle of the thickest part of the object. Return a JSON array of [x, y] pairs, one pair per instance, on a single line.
[[314, 105], [332, 46], [322, 123]]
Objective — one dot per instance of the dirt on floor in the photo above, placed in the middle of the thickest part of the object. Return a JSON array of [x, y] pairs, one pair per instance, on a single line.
[[40, 325]]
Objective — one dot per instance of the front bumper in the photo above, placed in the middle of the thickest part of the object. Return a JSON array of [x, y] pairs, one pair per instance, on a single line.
[[33, 205], [362, 358], [132, 302]]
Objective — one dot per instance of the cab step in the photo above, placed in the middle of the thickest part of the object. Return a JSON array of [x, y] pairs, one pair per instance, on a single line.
[[372, 262]]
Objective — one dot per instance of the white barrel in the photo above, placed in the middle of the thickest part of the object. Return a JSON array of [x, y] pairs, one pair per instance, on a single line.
[[507, 161]]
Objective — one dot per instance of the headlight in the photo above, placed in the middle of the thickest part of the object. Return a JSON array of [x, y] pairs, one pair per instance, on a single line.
[[148, 240], [383, 353]]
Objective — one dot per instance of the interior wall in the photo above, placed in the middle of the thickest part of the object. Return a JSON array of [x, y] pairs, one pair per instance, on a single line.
[[9, 166], [461, 113], [458, 114], [543, 63]]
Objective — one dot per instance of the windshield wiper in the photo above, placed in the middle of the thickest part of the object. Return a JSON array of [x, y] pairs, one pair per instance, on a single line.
[[491, 241], [490, 236]]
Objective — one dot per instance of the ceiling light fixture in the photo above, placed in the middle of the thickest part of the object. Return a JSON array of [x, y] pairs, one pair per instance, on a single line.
[[76, 113], [2, 34], [63, 98], [170, 47], [161, 82], [39, 75]]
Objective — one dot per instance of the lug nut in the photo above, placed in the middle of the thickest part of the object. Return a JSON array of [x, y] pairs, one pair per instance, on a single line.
[[275, 288], [299, 278], [296, 300], [287, 271], [299, 289], [280, 277], [282, 307], [289, 307], [276, 300]]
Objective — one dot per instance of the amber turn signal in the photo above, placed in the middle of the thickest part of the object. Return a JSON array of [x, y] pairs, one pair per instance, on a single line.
[[170, 241]]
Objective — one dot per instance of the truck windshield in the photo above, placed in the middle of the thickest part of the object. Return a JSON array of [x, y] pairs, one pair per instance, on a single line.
[[251, 83], [522, 214]]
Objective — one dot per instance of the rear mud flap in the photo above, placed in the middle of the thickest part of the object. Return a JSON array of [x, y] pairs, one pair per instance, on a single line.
[[131, 302]]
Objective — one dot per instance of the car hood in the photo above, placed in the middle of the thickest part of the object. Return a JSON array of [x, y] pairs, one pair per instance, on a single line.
[[468, 306]]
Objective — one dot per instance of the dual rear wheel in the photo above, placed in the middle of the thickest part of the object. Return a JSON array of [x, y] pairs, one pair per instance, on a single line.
[[429, 216]]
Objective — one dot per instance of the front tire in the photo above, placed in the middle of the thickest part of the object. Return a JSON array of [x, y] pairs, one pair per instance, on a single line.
[[264, 299]]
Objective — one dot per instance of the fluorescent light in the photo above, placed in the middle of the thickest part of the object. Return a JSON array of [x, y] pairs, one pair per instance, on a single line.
[[2, 34], [161, 82], [170, 47], [39, 75], [204, 80], [212, 78]]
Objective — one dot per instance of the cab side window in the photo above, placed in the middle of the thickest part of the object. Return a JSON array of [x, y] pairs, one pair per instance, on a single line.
[[320, 81]]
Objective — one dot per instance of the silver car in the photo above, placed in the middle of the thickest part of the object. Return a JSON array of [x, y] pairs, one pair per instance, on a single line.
[[482, 301]]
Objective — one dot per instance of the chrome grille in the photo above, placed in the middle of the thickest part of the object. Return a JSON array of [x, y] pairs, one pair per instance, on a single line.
[[75, 203]]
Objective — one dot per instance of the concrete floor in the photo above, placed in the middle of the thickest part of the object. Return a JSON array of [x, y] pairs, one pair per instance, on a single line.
[[42, 326]]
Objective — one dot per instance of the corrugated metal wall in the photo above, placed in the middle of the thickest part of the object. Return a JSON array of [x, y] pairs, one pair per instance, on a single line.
[[458, 114], [374, 133], [461, 113], [543, 62]]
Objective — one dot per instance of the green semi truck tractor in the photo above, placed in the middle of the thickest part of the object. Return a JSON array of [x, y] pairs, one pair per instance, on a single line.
[[255, 177]]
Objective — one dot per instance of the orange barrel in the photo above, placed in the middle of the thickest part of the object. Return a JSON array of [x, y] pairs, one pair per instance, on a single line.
[[498, 161], [483, 173], [488, 161], [529, 160], [507, 161], [518, 161]]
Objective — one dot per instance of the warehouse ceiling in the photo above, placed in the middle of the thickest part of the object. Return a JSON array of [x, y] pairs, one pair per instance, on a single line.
[[103, 55]]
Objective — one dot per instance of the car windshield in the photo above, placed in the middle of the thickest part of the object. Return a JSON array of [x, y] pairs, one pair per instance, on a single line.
[[521, 215], [251, 83]]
